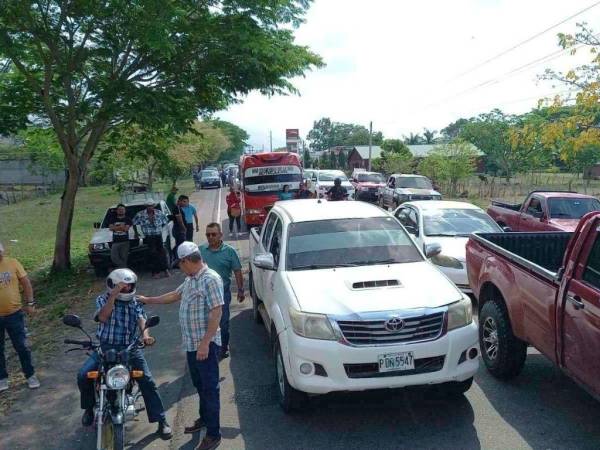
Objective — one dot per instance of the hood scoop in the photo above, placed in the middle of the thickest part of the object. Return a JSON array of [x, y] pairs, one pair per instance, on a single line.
[[374, 284]]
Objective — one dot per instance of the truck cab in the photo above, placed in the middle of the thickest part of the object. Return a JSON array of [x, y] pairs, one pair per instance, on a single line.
[[403, 188]]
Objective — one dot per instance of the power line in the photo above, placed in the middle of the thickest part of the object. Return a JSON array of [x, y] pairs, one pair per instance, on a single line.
[[526, 41]]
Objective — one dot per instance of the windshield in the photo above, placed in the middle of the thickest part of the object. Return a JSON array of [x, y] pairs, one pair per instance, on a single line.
[[572, 208], [414, 183], [209, 173], [457, 222], [331, 176], [348, 242], [370, 178], [271, 179]]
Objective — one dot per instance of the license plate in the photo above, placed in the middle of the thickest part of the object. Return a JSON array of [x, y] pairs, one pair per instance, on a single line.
[[389, 362]]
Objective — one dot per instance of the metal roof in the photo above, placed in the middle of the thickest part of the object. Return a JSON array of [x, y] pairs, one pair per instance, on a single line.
[[363, 151]]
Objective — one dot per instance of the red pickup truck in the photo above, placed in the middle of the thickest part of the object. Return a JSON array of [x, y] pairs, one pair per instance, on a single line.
[[544, 211], [543, 290]]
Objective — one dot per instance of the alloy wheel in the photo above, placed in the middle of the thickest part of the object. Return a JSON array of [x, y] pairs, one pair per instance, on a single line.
[[490, 338]]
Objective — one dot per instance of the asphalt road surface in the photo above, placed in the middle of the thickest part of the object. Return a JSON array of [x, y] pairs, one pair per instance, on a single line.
[[541, 409]]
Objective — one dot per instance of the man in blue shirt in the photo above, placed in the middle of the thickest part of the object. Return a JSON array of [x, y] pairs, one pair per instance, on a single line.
[[190, 216], [119, 314], [223, 259]]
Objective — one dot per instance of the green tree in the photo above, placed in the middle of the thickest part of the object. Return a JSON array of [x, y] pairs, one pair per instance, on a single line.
[[332, 160], [413, 139], [306, 159], [395, 163], [342, 161], [454, 130], [84, 67], [429, 136], [395, 146], [452, 162], [321, 136], [326, 134], [238, 139]]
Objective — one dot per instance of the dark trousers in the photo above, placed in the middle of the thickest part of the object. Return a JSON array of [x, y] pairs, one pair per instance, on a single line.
[[224, 325], [154, 405], [232, 219], [205, 378], [189, 232], [14, 326], [158, 256], [179, 238]]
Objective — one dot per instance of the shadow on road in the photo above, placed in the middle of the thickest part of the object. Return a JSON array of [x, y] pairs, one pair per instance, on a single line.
[[544, 406], [387, 419]]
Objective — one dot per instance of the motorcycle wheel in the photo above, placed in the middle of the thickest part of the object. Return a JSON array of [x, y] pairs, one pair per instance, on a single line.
[[113, 435]]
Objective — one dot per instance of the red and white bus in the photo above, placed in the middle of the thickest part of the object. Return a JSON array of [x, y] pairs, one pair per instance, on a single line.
[[262, 176]]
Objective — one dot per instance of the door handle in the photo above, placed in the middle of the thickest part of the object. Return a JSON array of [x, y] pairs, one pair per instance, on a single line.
[[575, 300]]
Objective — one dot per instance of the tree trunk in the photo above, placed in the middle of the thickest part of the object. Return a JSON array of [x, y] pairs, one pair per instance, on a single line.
[[62, 245]]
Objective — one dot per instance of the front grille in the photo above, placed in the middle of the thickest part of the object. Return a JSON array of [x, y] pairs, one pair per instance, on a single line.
[[421, 197], [373, 332], [371, 370]]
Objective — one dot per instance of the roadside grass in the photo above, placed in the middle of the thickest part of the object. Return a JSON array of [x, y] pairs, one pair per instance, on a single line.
[[28, 231]]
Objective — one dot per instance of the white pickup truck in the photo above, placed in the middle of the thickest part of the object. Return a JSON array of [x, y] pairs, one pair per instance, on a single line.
[[351, 303]]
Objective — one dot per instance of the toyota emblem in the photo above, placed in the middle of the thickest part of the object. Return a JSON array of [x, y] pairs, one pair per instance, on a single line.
[[394, 324]]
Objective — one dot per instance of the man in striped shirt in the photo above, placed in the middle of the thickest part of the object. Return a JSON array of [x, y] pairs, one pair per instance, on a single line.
[[201, 297]]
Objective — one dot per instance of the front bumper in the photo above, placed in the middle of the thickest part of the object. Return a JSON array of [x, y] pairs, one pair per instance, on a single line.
[[137, 253], [367, 196], [336, 359], [210, 184]]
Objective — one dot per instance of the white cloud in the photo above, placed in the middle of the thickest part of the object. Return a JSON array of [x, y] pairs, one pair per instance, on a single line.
[[396, 62]]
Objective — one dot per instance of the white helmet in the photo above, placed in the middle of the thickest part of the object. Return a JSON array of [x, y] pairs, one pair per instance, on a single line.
[[123, 276]]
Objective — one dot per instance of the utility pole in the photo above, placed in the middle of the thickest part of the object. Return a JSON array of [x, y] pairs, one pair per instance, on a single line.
[[370, 142], [271, 139]]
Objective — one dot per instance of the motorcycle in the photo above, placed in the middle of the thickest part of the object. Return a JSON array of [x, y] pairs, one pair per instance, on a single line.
[[115, 387]]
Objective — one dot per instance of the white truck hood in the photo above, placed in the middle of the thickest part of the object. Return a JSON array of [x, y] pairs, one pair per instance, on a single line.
[[104, 235], [330, 291]]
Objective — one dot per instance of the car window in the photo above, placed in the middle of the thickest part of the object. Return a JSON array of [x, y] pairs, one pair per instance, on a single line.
[[457, 222], [572, 208], [414, 183], [535, 207], [591, 274], [268, 228], [275, 245]]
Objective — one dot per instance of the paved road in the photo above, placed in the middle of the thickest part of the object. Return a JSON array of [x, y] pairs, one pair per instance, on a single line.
[[542, 409]]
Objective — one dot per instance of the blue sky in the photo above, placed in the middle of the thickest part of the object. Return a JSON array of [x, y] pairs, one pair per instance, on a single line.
[[397, 63]]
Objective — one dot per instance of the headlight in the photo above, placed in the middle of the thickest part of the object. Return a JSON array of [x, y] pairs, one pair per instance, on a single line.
[[313, 326], [446, 261], [460, 314], [253, 211], [117, 377], [99, 247]]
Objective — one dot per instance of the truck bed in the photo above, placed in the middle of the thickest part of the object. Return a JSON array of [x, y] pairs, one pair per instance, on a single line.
[[506, 205], [541, 253]]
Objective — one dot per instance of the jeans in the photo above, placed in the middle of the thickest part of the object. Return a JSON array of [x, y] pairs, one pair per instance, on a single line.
[[236, 219], [119, 253], [205, 378], [14, 325], [179, 238], [224, 325], [154, 406], [158, 256], [189, 232]]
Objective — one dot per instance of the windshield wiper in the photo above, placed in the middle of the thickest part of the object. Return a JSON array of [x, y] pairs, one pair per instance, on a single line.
[[443, 235], [374, 262], [323, 266]]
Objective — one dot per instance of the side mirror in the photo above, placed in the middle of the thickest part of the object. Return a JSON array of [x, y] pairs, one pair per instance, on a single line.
[[265, 261], [432, 249], [96, 225], [152, 322], [507, 229], [72, 320]]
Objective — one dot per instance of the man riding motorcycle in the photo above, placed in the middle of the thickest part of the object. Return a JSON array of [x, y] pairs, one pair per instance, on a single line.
[[118, 314], [337, 192]]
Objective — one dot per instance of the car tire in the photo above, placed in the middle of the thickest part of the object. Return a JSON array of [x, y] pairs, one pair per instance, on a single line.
[[290, 399], [100, 272], [455, 388], [503, 353], [255, 301]]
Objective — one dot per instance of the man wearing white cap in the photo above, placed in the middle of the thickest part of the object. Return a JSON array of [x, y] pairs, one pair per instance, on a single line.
[[201, 296], [152, 221], [12, 317]]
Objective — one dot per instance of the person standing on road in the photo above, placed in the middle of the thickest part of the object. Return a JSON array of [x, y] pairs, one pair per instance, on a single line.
[[12, 317], [303, 192], [171, 200], [119, 314], [190, 215], [201, 297], [179, 227], [152, 222], [119, 224], [337, 192], [234, 209], [223, 259]]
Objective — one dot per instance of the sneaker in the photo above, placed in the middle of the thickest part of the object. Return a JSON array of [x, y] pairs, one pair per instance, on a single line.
[[197, 426], [164, 430], [209, 443], [88, 418], [33, 382], [3, 384]]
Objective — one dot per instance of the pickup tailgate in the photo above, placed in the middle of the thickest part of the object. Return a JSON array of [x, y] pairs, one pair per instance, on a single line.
[[522, 269]]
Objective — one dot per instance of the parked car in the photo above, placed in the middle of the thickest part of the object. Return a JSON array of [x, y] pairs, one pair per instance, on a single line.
[[368, 185], [356, 171], [101, 242], [351, 303], [323, 180], [210, 178], [544, 211], [404, 188], [449, 224], [540, 289]]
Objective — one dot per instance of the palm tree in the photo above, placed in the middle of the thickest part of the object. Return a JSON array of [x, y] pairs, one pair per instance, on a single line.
[[413, 139], [429, 135]]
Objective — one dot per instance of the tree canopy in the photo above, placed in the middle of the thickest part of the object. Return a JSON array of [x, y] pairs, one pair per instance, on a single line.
[[326, 134]]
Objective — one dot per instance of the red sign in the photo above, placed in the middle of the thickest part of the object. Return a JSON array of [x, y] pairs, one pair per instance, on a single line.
[[292, 133]]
